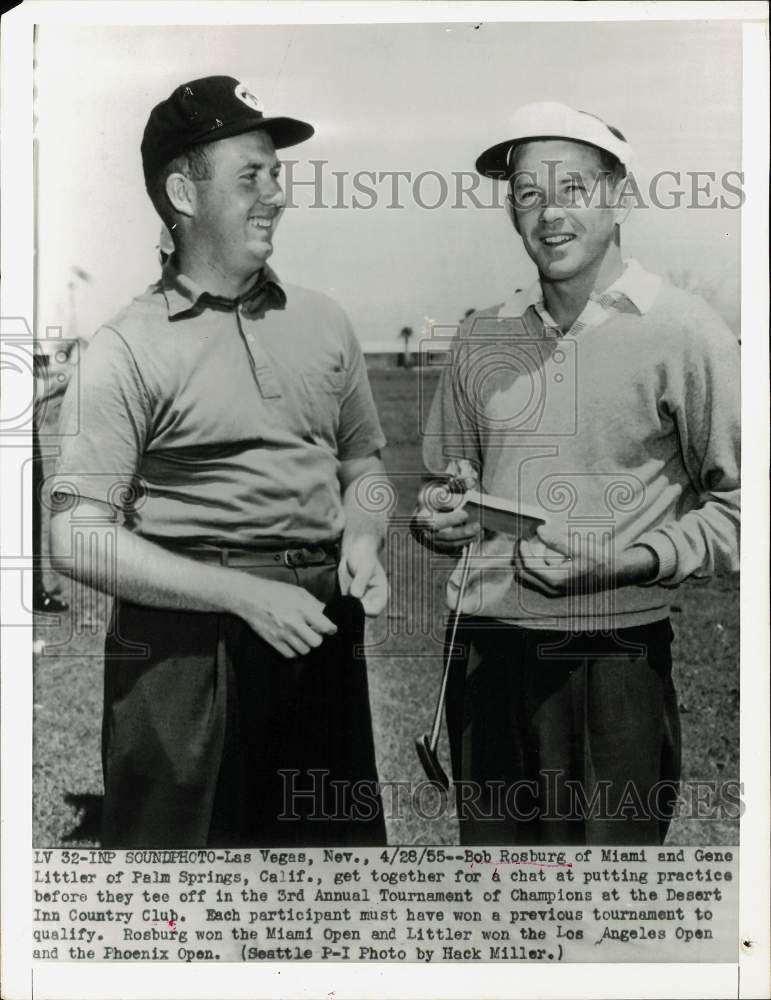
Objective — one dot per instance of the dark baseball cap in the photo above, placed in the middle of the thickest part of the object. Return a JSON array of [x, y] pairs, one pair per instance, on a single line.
[[207, 110]]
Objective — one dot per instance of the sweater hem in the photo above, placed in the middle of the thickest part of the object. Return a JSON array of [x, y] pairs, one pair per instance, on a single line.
[[574, 623]]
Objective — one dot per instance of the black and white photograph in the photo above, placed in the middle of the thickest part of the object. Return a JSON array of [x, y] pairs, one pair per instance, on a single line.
[[378, 496]]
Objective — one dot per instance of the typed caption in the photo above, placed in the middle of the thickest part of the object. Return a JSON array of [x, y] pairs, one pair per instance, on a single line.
[[397, 904]]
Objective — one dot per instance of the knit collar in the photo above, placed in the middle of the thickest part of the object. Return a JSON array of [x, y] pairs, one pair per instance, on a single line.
[[182, 294], [638, 286]]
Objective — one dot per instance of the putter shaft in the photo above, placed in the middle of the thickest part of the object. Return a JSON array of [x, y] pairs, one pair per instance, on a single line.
[[464, 573]]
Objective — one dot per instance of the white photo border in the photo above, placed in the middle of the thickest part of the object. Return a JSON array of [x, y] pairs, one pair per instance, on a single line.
[[747, 978]]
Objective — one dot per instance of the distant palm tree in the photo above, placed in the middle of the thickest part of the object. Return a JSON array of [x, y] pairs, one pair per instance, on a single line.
[[81, 274], [78, 277], [406, 334]]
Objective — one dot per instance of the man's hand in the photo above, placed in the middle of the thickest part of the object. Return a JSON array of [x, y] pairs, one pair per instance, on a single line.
[[440, 523], [545, 568], [557, 563], [362, 575], [287, 617]]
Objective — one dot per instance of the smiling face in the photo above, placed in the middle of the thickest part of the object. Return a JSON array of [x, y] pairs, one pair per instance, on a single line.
[[237, 209], [562, 202]]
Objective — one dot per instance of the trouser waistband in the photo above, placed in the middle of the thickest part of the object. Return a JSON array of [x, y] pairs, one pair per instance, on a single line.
[[321, 554]]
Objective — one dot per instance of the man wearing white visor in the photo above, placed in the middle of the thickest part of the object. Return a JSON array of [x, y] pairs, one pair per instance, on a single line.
[[609, 401]]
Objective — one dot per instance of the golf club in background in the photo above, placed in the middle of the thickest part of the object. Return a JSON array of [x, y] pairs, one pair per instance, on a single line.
[[425, 744]]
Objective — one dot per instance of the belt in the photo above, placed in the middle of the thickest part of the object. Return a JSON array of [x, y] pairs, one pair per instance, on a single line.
[[324, 553]]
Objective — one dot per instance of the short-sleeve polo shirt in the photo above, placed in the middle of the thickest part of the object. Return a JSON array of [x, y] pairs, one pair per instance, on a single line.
[[208, 420]]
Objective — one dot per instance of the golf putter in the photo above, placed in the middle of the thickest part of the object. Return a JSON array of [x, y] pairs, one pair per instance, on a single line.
[[425, 744]]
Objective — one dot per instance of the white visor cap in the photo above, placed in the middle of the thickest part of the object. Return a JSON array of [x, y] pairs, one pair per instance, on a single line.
[[550, 120]]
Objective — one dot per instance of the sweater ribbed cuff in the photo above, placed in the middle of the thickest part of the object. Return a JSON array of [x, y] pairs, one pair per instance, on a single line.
[[666, 553]]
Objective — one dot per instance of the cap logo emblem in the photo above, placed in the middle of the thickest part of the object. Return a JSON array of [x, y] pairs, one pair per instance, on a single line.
[[248, 98]]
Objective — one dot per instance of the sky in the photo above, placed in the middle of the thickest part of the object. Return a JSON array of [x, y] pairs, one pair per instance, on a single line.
[[405, 97]]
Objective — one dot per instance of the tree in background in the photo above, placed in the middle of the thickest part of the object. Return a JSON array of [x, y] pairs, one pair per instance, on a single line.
[[406, 360]]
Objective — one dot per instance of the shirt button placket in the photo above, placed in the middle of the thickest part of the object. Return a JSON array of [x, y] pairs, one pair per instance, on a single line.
[[251, 346], [262, 369]]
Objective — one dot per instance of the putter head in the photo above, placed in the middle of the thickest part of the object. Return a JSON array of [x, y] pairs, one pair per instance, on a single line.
[[430, 762]]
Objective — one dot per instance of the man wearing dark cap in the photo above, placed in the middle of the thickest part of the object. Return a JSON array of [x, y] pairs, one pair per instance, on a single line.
[[609, 401], [214, 469]]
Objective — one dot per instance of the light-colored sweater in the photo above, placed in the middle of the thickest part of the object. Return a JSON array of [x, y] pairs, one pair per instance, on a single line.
[[625, 432]]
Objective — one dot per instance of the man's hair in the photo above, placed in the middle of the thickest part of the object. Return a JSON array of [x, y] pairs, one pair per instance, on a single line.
[[612, 170], [610, 165], [194, 163]]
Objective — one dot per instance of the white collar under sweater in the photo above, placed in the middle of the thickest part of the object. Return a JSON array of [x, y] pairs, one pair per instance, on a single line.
[[635, 288]]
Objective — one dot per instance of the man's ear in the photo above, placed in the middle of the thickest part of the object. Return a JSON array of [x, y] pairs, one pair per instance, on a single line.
[[181, 192], [623, 200]]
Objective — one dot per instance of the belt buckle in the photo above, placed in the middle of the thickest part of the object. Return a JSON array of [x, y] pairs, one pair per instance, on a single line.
[[308, 555]]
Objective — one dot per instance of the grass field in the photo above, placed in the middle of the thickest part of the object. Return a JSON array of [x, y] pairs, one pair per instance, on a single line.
[[404, 666]]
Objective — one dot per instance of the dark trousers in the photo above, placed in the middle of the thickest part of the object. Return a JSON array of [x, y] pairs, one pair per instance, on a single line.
[[563, 738], [213, 738]]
